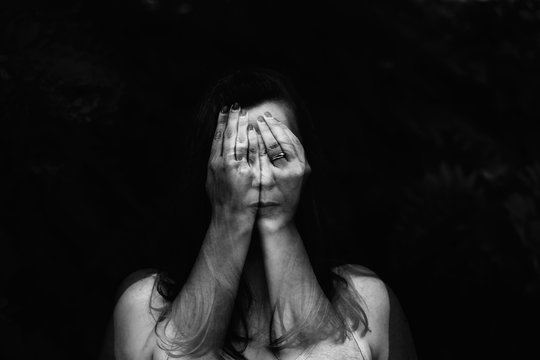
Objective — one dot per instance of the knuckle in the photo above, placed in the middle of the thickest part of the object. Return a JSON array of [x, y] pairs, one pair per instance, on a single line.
[[288, 148], [229, 162], [244, 170], [241, 147], [229, 133], [294, 170], [215, 165]]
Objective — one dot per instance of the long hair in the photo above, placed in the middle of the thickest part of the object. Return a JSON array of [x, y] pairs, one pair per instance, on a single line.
[[251, 87]]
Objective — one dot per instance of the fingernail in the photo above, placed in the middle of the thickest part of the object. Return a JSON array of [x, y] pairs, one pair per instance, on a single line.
[[243, 112], [224, 109], [250, 127], [267, 114], [235, 106], [260, 118]]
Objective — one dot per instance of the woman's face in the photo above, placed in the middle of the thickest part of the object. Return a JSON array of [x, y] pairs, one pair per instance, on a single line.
[[272, 196]]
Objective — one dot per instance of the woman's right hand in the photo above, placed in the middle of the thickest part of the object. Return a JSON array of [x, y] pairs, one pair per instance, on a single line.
[[232, 181]]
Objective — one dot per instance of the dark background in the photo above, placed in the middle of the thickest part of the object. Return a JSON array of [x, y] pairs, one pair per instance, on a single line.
[[428, 110]]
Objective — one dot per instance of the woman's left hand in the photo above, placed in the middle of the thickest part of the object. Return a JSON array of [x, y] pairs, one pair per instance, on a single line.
[[283, 170]]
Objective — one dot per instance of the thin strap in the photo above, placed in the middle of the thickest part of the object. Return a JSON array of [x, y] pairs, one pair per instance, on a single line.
[[358, 343]]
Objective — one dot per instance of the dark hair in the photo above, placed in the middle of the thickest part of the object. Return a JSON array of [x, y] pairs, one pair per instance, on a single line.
[[251, 87]]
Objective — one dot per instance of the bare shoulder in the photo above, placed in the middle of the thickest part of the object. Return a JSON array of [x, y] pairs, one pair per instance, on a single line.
[[134, 319], [372, 290], [365, 281], [389, 336]]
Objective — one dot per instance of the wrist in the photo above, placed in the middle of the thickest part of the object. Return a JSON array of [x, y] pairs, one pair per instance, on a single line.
[[237, 221], [269, 226]]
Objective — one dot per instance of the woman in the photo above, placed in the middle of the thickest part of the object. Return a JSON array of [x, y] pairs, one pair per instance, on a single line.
[[260, 287]]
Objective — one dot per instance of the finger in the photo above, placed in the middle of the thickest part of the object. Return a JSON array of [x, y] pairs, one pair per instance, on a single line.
[[262, 148], [242, 137], [217, 143], [270, 142], [297, 144], [229, 141], [253, 147], [264, 161], [278, 130]]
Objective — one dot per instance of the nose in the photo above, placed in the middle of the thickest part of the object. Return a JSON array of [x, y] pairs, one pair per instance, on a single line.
[[266, 181]]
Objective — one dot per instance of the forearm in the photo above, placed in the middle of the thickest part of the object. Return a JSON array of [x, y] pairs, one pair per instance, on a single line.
[[292, 284], [202, 310]]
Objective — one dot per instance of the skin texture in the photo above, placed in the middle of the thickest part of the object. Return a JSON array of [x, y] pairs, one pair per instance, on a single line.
[[252, 234]]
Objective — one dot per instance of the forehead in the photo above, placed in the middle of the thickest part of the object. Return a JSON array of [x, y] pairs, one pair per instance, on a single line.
[[279, 109]]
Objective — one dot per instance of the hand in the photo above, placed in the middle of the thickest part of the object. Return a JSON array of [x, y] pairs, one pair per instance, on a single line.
[[232, 181], [283, 170]]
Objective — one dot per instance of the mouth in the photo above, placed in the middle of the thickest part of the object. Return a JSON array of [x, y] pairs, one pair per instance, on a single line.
[[267, 204]]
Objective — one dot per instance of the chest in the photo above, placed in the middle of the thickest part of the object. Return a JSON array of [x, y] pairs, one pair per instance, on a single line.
[[351, 349]]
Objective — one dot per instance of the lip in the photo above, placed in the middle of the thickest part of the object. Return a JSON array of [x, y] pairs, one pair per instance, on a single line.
[[267, 204], [264, 204]]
